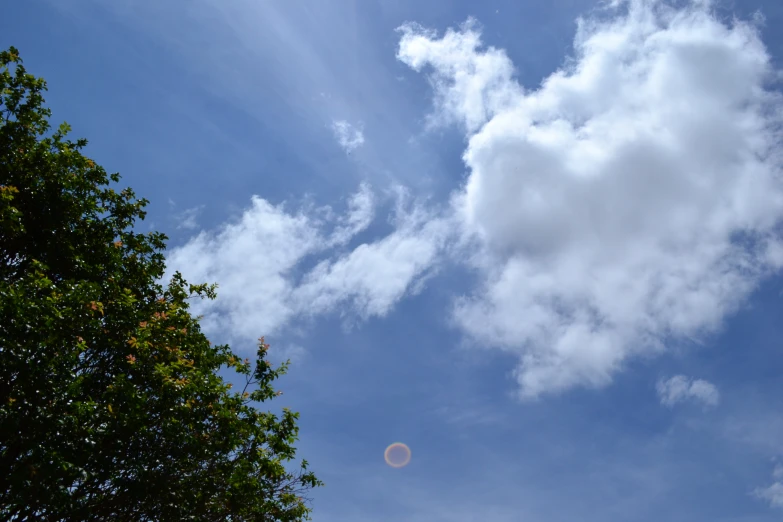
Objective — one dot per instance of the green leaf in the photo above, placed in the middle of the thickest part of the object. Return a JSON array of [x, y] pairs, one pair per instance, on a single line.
[[112, 404]]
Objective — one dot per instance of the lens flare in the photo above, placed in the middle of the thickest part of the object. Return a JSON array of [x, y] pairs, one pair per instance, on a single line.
[[397, 455]]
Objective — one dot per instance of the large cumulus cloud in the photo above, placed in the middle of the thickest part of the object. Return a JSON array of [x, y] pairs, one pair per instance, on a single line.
[[632, 198]]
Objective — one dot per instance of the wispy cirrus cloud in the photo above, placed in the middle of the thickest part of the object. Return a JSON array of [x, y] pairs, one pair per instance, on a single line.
[[359, 215], [774, 492], [188, 218], [348, 136], [374, 276], [680, 388]]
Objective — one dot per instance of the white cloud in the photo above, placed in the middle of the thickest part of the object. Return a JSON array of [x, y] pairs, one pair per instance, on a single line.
[[187, 219], [681, 388], [631, 199], [294, 352], [470, 87], [252, 261], [349, 137], [375, 276], [774, 492], [255, 262], [361, 210]]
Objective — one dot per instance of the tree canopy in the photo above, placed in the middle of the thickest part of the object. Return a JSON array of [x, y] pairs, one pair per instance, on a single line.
[[111, 402]]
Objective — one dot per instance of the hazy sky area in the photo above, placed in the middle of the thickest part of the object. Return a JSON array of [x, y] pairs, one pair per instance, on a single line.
[[538, 242]]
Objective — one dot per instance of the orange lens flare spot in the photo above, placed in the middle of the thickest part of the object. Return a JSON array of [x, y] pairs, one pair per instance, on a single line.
[[397, 455]]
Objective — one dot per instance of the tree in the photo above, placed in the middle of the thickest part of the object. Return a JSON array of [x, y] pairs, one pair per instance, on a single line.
[[111, 405]]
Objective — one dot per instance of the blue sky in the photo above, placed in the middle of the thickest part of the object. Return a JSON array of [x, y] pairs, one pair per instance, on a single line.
[[544, 255]]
